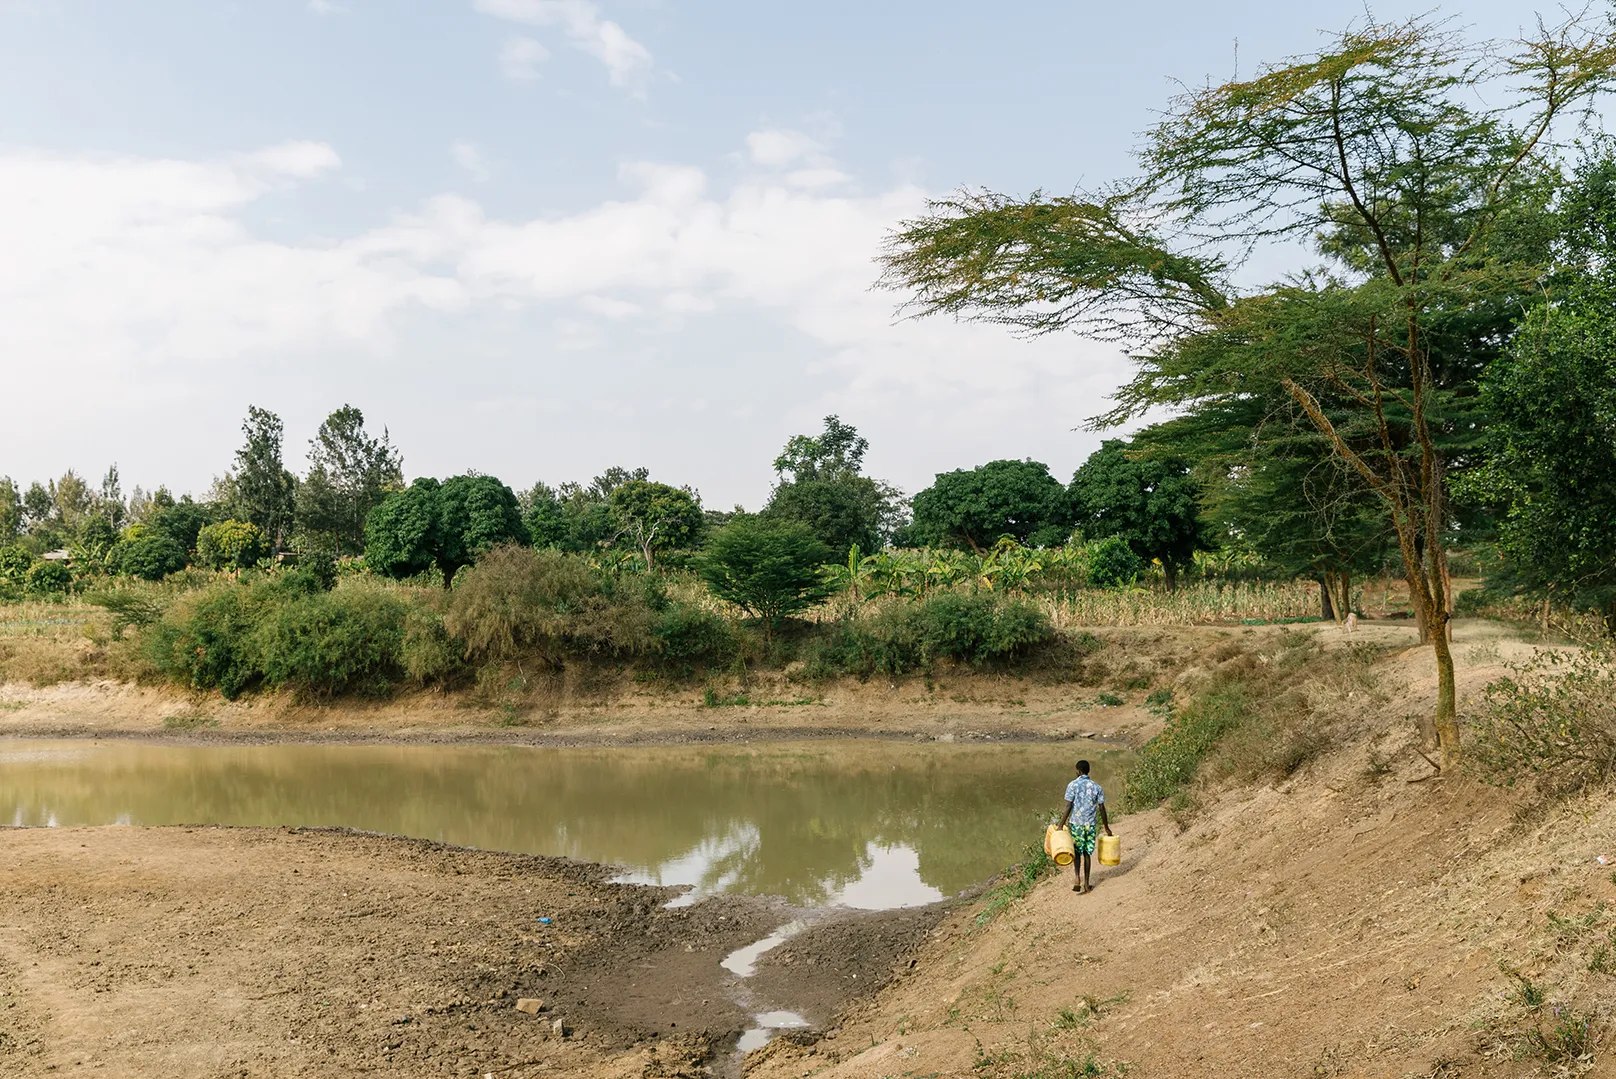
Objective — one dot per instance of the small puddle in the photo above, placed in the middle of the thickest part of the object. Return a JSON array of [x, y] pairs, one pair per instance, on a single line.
[[742, 962], [768, 1024]]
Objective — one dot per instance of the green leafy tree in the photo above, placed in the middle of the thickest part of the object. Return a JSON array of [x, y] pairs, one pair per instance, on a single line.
[[1552, 470], [657, 518], [770, 569], [94, 542], [822, 485], [1383, 150], [149, 555], [544, 516], [10, 510], [180, 521], [232, 545], [1152, 503], [109, 503], [350, 472], [443, 525], [259, 489], [974, 507], [38, 506]]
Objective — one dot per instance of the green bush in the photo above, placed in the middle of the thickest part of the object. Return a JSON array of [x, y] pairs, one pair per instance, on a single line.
[[204, 638], [49, 579], [1169, 760], [231, 545], [151, 556], [690, 637], [15, 562], [952, 627], [324, 643], [1113, 564]]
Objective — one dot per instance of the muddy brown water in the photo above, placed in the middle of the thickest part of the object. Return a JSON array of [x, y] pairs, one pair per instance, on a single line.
[[862, 824]]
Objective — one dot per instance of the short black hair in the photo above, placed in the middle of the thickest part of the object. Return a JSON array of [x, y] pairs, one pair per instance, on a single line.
[[1082, 768]]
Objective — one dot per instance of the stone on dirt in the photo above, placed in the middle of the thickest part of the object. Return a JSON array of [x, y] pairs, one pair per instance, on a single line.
[[530, 1005]]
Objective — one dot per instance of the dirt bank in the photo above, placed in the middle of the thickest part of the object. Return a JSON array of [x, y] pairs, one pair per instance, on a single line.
[[261, 952], [1100, 690], [1357, 918]]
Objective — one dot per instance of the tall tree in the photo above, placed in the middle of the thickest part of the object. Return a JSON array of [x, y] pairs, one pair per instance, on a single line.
[[1553, 464], [657, 518], [1150, 502], [1381, 149], [10, 511], [822, 486], [974, 507], [444, 525], [350, 472], [261, 489]]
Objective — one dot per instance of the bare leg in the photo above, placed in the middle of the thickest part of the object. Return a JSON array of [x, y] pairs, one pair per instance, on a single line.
[[1077, 874], [1088, 881]]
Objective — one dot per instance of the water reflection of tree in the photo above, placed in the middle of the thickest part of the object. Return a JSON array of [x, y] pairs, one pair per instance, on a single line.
[[791, 821]]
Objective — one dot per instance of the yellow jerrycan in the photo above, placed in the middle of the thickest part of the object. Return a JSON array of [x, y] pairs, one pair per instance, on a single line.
[[1110, 850], [1058, 844]]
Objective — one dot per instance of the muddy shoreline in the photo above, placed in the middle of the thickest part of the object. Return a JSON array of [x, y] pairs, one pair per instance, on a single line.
[[330, 951], [563, 739]]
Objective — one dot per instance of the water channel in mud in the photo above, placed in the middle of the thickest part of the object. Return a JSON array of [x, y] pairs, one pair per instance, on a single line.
[[853, 823]]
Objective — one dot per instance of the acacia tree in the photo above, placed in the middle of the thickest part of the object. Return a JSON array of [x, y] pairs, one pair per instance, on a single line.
[[1377, 149]]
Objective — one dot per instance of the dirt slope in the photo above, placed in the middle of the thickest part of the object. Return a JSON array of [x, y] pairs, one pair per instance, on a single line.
[[1348, 921]]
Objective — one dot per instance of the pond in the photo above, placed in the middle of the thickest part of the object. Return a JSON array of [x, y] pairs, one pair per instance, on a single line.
[[864, 824]]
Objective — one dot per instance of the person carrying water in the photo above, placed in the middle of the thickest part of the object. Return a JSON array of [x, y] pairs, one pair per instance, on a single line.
[[1084, 800]]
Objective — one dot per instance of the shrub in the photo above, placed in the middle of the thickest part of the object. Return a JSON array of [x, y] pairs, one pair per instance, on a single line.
[[973, 629], [517, 600], [151, 556], [231, 545], [15, 563], [688, 637], [203, 640], [1169, 760], [348, 640], [1553, 718], [49, 579], [1113, 564], [428, 653]]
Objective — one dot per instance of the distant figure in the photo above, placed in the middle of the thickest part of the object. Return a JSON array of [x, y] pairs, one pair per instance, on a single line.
[[1352, 622], [1084, 799]]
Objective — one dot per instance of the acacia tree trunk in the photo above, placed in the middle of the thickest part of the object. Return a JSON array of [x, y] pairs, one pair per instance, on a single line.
[[1326, 606]]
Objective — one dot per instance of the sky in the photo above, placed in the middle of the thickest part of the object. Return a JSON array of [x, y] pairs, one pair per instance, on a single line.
[[535, 238]]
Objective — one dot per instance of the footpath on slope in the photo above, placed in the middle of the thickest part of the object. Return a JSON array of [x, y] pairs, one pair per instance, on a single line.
[[1355, 919]]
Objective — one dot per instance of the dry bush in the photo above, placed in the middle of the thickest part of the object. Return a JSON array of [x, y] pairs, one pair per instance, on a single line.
[[1552, 719]]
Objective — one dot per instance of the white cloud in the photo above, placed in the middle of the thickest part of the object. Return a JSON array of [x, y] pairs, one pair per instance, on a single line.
[[627, 61], [778, 148], [520, 57], [143, 279], [296, 160], [468, 157]]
